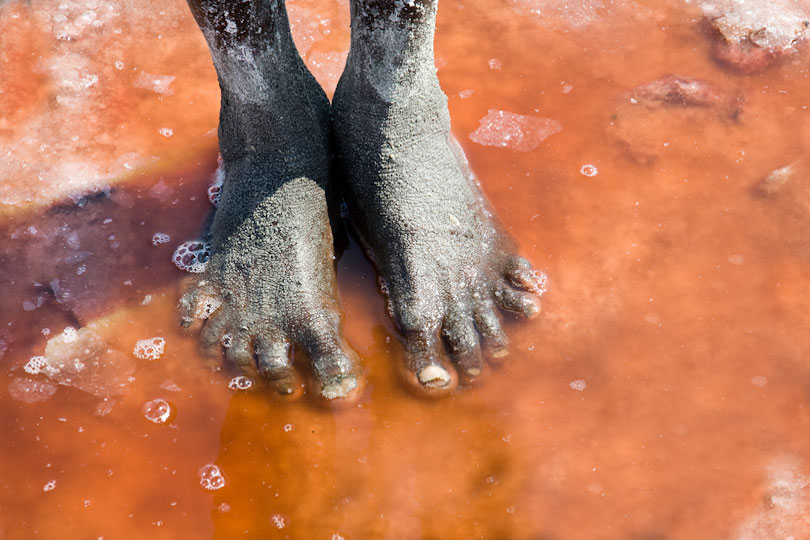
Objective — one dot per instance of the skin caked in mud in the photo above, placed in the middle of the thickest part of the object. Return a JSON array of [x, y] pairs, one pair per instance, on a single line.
[[270, 282], [443, 263], [442, 260]]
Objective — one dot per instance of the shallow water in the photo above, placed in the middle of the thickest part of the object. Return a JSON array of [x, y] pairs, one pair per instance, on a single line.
[[663, 393]]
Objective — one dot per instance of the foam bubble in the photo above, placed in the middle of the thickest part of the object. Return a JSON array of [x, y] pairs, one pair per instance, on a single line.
[[211, 477], [215, 189], [227, 341], [240, 383], [588, 170], [35, 365], [160, 238], [279, 521], [192, 256], [579, 385], [69, 334], [288, 428], [49, 486], [166, 132], [149, 349], [158, 411]]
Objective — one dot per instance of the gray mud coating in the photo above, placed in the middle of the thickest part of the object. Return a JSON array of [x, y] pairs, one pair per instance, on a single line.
[[271, 271], [443, 261]]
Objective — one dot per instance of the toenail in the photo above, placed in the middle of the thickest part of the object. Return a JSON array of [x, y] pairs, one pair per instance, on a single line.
[[474, 372], [434, 376], [339, 388], [500, 353]]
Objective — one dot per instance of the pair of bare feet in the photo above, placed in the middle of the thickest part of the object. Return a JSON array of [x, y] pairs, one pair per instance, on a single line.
[[415, 204]]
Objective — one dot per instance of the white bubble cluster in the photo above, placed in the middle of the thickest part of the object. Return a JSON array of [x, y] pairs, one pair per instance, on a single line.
[[215, 189], [192, 256], [540, 282], [35, 365], [211, 477], [160, 238], [69, 334], [166, 132], [279, 521], [157, 411], [49, 486], [240, 383], [579, 385], [149, 349]]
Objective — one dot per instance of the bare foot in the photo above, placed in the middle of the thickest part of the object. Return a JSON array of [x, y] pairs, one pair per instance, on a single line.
[[270, 281], [443, 262]]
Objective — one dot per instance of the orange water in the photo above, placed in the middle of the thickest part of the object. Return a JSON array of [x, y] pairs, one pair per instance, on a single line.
[[678, 296]]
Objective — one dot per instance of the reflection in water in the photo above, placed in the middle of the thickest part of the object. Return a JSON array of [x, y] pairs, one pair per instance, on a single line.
[[662, 393]]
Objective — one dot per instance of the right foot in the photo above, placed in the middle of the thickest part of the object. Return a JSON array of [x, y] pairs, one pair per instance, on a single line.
[[270, 281], [442, 259]]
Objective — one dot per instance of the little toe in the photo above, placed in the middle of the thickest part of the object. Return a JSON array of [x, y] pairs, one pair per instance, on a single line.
[[197, 305], [275, 366], [187, 307], [462, 346], [520, 274], [518, 301], [494, 343]]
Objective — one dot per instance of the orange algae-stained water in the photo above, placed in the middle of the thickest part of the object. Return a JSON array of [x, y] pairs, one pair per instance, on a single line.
[[662, 394]]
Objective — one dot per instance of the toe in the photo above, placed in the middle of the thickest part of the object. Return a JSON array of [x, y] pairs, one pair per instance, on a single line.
[[520, 274], [518, 301], [187, 307], [211, 334], [198, 304], [423, 369], [239, 353], [275, 365], [462, 346], [494, 342], [335, 366]]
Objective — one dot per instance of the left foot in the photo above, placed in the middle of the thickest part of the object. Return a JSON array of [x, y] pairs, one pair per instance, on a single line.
[[443, 261]]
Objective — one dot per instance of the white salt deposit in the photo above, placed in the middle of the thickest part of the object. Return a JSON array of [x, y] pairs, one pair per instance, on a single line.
[[83, 359], [515, 131], [784, 513], [160, 84], [29, 390]]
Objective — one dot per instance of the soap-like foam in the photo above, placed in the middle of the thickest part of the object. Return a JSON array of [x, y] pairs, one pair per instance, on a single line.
[[192, 256]]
